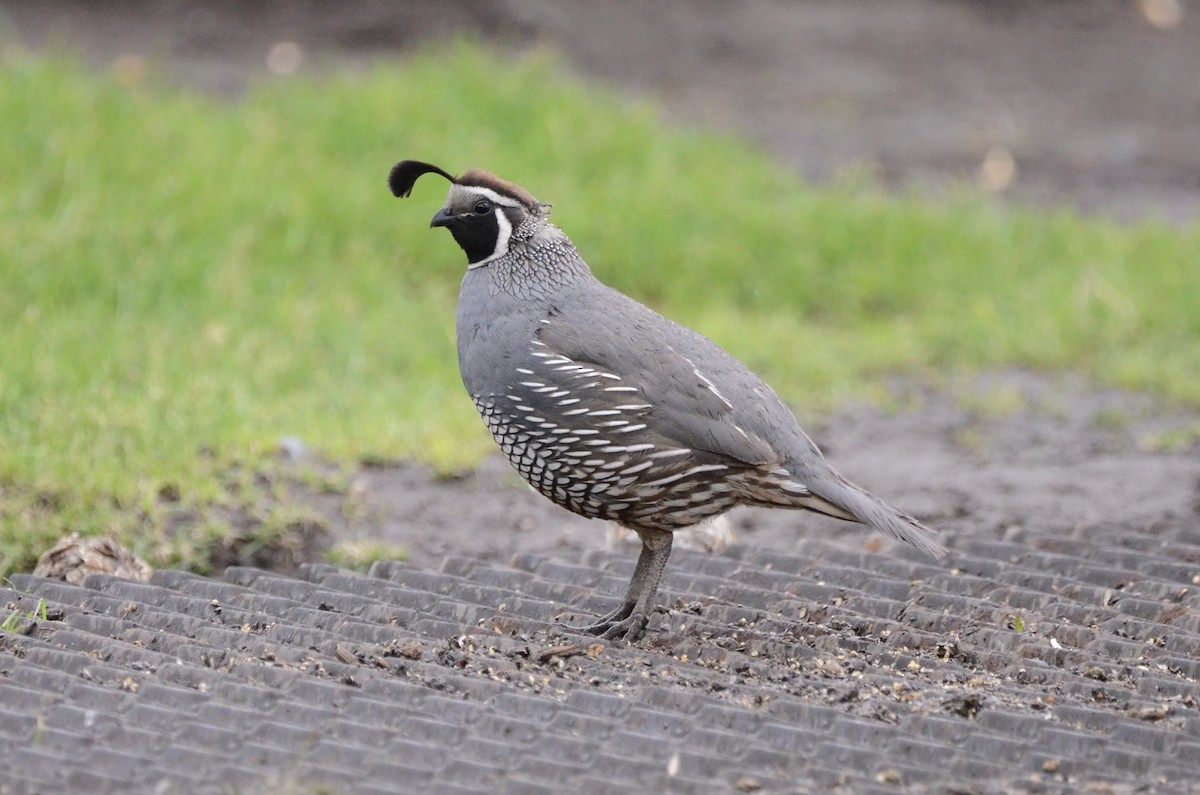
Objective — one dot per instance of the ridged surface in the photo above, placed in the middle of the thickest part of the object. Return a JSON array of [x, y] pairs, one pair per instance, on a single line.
[[800, 672]]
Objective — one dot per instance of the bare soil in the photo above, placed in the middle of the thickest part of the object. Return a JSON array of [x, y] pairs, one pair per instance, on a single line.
[[1098, 108], [1053, 453]]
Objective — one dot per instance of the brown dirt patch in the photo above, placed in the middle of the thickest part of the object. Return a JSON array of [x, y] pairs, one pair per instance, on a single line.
[[989, 456]]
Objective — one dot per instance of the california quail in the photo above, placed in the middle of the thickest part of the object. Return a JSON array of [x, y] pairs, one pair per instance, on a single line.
[[611, 410]]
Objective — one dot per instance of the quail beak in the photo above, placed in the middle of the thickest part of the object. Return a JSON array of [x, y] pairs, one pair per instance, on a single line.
[[443, 218]]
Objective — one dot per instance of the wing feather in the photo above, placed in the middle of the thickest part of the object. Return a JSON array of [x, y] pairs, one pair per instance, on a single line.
[[686, 400]]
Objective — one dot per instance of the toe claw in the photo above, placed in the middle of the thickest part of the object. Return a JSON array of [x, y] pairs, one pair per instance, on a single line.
[[625, 623], [605, 623], [628, 630]]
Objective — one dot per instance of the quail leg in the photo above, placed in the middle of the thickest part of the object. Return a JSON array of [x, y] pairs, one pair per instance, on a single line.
[[628, 620]]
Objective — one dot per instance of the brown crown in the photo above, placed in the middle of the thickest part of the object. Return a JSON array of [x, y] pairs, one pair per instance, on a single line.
[[485, 179]]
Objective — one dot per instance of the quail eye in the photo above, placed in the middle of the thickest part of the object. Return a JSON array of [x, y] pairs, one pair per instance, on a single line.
[[483, 208]]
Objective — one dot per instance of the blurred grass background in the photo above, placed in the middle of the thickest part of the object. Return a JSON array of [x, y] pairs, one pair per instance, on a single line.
[[187, 281]]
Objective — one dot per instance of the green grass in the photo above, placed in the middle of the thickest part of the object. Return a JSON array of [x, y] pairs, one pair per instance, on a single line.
[[187, 280], [17, 622]]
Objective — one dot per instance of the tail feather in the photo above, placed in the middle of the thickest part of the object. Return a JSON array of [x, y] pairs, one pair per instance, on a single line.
[[840, 498]]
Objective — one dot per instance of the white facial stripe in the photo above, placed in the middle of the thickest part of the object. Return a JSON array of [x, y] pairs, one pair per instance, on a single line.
[[487, 193], [502, 238]]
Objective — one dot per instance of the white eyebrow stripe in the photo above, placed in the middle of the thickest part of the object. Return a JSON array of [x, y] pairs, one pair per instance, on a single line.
[[487, 193]]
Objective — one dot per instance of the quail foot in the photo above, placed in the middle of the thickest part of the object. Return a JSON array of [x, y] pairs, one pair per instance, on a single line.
[[612, 410]]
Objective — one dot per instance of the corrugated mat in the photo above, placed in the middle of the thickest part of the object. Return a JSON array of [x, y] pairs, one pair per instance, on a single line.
[[1042, 662]]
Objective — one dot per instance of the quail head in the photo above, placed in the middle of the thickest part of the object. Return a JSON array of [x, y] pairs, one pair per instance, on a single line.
[[612, 410]]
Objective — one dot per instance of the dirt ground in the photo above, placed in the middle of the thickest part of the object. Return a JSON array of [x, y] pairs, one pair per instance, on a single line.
[[1090, 104], [1053, 453]]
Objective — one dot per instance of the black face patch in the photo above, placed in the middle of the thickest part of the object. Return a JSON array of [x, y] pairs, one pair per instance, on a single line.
[[477, 235]]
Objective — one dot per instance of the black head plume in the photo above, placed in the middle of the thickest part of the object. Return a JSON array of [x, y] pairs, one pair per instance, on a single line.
[[405, 173]]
